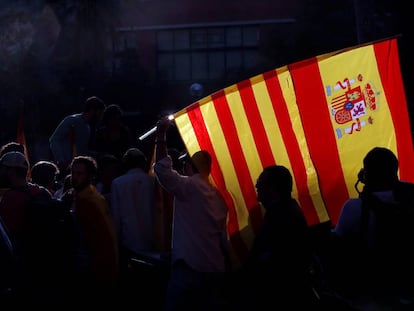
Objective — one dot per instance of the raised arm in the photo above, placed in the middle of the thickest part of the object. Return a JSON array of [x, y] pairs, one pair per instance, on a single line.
[[161, 138]]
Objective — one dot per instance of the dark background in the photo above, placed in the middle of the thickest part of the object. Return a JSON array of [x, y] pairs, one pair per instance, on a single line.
[[54, 54]]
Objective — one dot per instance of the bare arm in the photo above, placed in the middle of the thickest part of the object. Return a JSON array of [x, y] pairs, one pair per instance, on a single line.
[[161, 138]]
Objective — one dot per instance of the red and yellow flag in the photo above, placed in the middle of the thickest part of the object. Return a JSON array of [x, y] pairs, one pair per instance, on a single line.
[[317, 117]]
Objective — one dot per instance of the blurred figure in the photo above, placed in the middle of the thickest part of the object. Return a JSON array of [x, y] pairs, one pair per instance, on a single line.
[[373, 262], [73, 134], [132, 204], [98, 263], [63, 187], [9, 269], [113, 137], [9, 262], [109, 167], [281, 252], [199, 240], [11, 146], [164, 202], [45, 173], [13, 206], [133, 210], [20, 218]]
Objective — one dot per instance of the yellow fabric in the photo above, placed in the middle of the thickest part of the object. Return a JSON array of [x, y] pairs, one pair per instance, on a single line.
[[99, 234]]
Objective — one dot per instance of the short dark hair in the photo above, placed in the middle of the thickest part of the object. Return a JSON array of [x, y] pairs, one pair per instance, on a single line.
[[11, 146], [89, 162], [201, 161], [106, 160], [133, 158], [94, 103], [277, 177], [380, 164], [111, 112], [44, 172]]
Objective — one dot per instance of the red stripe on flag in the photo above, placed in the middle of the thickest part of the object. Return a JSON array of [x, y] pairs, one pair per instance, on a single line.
[[292, 146], [237, 156], [386, 53], [265, 152], [197, 121], [316, 123], [257, 128]]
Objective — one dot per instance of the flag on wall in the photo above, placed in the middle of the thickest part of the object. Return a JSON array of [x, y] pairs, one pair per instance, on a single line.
[[318, 117]]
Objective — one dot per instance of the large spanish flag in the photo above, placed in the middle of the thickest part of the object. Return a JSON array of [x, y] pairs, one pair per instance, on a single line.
[[318, 117]]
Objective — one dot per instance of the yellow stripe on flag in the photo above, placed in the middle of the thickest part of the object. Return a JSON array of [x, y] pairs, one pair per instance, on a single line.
[[229, 170], [288, 90]]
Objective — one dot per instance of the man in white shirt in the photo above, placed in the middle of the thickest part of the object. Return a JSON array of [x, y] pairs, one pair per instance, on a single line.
[[72, 135], [199, 229]]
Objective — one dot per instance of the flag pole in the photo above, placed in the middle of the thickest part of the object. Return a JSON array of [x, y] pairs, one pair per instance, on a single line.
[[148, 133], [154, 129]]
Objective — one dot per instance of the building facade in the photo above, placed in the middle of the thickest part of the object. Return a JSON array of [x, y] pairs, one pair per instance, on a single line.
[[190, 49]]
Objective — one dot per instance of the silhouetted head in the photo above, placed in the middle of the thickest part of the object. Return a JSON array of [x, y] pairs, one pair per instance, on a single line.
[[13, 169], [135, 158], [44, 173], [93, 109], [94, 103], [380, 169], [14, 159], [112, 113], [11, 146], [198, 163], [83, 171], [275, 183], [201, 161]]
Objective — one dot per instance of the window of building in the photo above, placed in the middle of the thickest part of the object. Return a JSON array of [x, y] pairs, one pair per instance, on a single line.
[[206, 53]]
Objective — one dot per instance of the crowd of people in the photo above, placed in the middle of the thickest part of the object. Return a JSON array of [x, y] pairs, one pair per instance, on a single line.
[[72, 226]]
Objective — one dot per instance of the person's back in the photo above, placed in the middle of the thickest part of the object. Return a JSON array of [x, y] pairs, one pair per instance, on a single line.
[[283, 241], [72, 135], [36, 227], [99, 268], [49, 243], [199, 219], [13, 206], [109, 167], [9, 269], [281, 251], [45, 173], [113, 137], [389, 251], [132, 204], [373, 261]]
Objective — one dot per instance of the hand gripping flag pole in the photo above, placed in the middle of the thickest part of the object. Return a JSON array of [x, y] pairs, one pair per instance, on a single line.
[[154, 129]]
